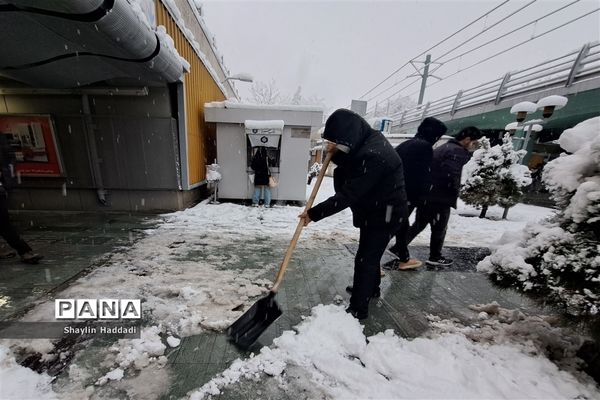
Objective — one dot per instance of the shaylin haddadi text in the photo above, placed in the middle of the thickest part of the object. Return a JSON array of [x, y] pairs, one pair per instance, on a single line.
[[92, 330]]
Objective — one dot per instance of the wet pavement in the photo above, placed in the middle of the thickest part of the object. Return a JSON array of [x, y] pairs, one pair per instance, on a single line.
[[73, 244]]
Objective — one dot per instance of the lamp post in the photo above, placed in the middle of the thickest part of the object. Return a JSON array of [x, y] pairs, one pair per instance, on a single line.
[[243, 77], [239, 77], [548, 104]]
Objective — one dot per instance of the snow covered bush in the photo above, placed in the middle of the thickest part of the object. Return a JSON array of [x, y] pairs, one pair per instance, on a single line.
[[559, 259], [480, 187], [313, 171], [494, 176], [513, 176]]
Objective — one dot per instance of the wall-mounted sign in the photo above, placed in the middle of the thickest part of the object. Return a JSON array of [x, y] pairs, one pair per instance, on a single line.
[[33, 143], [301, 133], [264, 133]]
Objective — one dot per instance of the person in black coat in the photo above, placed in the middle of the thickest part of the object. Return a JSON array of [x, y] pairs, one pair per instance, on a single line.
[[416, 155], [368, 179], [7, 230], [262, 173], [446, 170]]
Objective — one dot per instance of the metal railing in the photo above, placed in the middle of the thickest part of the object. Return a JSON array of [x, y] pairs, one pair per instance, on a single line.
[[562, 71]]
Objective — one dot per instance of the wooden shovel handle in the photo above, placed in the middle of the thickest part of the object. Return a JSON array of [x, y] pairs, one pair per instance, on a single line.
[[292, 245]]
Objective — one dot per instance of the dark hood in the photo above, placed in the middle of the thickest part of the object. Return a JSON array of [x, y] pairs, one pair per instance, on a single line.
[[431, 129], [347, 128]]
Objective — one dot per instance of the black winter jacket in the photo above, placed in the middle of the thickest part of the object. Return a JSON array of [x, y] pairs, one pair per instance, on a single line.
[[260, 165], [369, 179], [416, 155], [446, 169]]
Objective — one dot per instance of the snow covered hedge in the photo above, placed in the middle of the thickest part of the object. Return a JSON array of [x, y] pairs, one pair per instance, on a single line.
[[560, 258]]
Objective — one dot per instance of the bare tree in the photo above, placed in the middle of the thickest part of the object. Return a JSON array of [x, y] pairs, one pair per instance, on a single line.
[[265, 93]]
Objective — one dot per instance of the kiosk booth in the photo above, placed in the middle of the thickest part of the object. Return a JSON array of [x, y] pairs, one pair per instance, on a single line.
[[284, 130]]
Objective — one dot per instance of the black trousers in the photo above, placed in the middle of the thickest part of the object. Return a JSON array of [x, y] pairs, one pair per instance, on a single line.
[[7, 230], [436, 215], [401, 246], [371, 245]]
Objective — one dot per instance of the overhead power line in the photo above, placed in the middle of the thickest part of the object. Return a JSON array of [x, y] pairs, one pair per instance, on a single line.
[[457, 47], [435, 45], [488, 28], [443, 62], [402, 88], [511, 32], [517, 45]]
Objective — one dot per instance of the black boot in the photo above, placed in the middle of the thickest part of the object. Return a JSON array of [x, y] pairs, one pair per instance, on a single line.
[[376, 293], [357, 314]]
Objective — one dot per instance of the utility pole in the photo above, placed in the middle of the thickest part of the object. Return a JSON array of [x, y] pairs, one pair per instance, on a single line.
[[424, 75], [424, 78]]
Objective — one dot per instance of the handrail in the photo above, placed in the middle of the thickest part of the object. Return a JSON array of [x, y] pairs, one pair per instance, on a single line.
[[478, 94], [587, 70], [564, 69]]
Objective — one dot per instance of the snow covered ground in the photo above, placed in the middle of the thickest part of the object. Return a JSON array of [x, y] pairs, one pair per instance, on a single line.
[[338, 362], [187, 290]]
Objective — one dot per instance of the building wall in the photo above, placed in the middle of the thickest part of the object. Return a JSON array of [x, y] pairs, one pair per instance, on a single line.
[[136, 143], [199, 88], [151, 150]]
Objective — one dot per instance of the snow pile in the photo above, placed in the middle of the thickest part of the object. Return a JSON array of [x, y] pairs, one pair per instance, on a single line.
[[494, 176], [167, 40], [143, 9], [138, 353], [114, 375], [252, 106], [341, 363], [560, 259], [538, 335], [17, 382], [173, 341], [264, 124]]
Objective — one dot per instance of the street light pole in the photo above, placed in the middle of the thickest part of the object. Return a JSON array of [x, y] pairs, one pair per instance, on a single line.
[[243, 77]]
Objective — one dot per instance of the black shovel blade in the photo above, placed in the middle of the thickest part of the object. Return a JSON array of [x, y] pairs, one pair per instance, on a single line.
[[255, 321]]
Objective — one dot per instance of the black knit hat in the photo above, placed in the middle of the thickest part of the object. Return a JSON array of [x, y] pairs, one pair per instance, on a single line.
[[469, 132], [431, 129]]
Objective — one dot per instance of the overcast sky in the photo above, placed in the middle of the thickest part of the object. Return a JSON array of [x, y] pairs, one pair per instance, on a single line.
[[338, 50]]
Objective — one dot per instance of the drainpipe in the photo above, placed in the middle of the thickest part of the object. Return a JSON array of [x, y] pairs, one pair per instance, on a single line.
[[90, 131]]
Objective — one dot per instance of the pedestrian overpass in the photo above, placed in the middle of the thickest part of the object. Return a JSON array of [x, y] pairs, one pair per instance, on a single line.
[[575, 75]]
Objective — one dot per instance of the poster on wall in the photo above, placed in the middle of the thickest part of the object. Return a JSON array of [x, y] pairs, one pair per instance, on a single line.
[[33, 143]]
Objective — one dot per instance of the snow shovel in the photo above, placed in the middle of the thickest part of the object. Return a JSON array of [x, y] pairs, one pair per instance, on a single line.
[[265, 311]]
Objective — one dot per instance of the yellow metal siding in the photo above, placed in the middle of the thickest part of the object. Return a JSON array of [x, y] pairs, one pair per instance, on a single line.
[[199, 88]]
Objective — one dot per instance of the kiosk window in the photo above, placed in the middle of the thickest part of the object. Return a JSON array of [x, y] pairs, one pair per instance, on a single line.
[[272, 152]]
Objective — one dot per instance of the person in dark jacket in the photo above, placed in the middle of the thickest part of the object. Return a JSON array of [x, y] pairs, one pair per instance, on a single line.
[[368, 179], [416, 155], [446, 170], [262, 173], [7, 230]]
